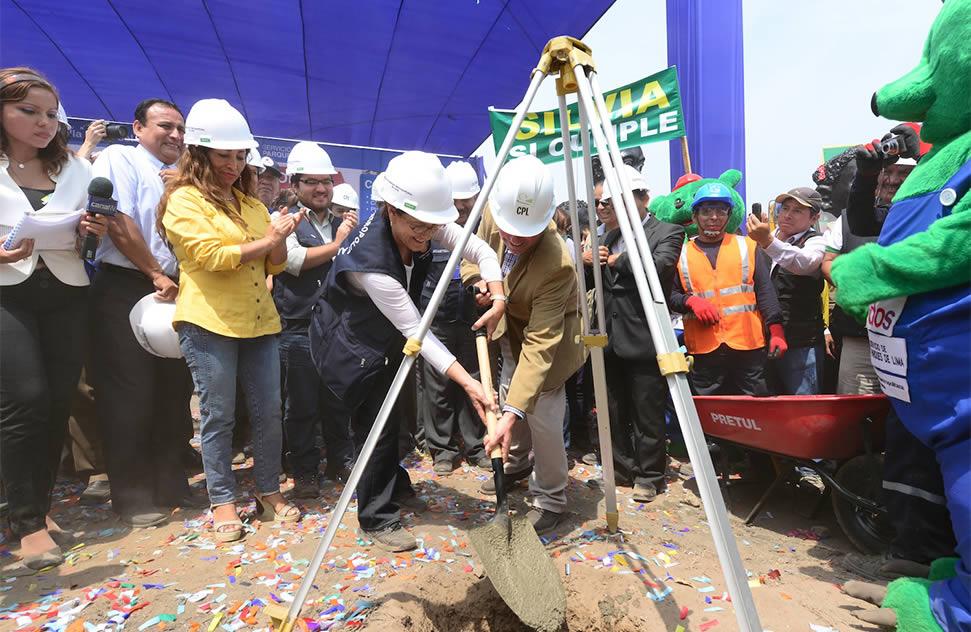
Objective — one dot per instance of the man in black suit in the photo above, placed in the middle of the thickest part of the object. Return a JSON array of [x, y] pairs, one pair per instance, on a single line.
[[636, 388]]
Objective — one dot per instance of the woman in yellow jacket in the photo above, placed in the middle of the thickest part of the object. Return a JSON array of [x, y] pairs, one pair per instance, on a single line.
[[227, 323]]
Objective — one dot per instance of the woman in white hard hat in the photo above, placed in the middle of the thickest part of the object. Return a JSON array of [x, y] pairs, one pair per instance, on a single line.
[[367, 311], [227, 244]]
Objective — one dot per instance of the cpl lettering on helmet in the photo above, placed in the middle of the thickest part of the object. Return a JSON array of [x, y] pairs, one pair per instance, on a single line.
[[522, 210]]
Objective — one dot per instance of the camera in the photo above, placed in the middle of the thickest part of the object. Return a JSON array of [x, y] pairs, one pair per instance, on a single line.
[[116, 131], [894, 146]]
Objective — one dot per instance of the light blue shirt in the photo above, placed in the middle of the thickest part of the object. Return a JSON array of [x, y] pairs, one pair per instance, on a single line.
[[138, 187]]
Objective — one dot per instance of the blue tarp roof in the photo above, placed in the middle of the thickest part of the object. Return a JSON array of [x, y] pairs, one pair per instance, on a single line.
[[404, 74]]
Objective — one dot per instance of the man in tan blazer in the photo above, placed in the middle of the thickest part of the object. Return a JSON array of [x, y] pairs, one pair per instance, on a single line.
[[537, 336]]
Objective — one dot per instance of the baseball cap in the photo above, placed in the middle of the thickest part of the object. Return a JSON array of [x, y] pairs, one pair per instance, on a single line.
[[806, 196]]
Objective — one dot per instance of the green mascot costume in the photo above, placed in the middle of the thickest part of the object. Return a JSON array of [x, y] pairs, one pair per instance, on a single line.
[[675, 207], [913, 288]]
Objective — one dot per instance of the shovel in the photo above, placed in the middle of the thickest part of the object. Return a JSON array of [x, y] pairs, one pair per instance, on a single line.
[[515, 560]]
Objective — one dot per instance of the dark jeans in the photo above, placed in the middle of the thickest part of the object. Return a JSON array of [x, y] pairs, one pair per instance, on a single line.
[[43, 325], [307, 405], [727, 371], [383, 481], [797, 372], [636, 402], [913, 492], [142, 400], [445, 408]]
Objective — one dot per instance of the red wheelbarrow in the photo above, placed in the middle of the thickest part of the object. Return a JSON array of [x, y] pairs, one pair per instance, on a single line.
[[839, 437]]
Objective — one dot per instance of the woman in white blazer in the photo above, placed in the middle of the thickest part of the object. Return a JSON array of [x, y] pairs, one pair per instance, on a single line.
[[42, 307]]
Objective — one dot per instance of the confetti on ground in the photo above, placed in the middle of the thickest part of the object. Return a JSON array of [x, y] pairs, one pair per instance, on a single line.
[[177, 577]]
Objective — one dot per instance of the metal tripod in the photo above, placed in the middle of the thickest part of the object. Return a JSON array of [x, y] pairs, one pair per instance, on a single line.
[[570, 59]]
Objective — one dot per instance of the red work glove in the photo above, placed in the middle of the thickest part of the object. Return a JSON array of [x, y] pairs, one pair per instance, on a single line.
[[703, 309], [777, 341]]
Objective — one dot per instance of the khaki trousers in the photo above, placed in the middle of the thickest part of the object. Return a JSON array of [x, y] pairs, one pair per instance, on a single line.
[[541, 431]]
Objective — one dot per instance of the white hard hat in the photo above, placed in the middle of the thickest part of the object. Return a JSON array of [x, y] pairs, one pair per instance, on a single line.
[[465, 182], [415, 183], [151, 322], [522, 200], [309, 158], [637, 182], [375, 185], [214, 123], [254, 159], [345, 195]]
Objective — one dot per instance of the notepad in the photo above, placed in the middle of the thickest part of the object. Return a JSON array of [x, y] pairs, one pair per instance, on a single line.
[[50, 231]]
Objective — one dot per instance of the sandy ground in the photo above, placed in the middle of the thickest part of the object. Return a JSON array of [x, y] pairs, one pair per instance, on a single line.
[[660, 573]]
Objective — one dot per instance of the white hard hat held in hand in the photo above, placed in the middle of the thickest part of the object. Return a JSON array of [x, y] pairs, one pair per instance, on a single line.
[[415, 183], [309, 158], [635, 179], [214, 123], [522, 200], [151, 322], [465, 182], [345, 195]]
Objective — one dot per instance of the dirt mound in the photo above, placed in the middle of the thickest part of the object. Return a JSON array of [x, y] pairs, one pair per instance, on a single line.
[[466, 603]]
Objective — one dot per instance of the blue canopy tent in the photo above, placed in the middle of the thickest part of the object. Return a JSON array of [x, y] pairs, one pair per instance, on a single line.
[[415, 74]]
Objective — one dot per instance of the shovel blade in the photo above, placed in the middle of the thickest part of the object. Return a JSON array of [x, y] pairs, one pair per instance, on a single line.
[[521, 571]]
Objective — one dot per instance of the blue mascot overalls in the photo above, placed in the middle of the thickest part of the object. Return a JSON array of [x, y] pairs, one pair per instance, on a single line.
[[921, 348]]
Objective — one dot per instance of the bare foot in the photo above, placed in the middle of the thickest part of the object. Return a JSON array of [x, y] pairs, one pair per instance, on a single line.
[[278, 502], [225, 513], [36, 543]]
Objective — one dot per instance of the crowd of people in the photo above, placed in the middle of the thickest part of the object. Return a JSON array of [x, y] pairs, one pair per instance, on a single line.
[[288, 317]]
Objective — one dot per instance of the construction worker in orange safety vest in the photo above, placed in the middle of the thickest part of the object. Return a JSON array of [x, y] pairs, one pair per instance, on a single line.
[[724, 289]]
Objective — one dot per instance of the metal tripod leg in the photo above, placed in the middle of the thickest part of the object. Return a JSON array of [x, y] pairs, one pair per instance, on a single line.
[[412, 347], [593, 333], [670, 360]]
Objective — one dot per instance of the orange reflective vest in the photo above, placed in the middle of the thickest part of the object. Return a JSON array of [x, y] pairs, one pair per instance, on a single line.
[[730, 286]]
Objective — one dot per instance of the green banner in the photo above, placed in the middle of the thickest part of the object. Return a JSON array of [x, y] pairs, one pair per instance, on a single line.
[[646, 111]]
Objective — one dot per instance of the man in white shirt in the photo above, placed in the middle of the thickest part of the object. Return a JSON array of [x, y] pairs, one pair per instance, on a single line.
[[142, 399], [796, 250], [311, 248]]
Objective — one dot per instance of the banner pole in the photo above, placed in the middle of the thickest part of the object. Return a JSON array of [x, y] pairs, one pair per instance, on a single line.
[[685, 157]]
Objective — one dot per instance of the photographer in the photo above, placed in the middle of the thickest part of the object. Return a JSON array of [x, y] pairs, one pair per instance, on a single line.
[[913, 489]]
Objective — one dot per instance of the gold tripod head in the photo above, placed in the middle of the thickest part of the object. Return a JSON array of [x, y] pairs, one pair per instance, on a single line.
[[560, 56]]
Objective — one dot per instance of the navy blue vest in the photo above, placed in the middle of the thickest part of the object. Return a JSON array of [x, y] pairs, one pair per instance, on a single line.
[[351, 341], [295, 296], [801, 299], [457, 306]]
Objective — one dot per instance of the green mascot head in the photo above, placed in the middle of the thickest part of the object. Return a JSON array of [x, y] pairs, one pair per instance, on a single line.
[[675, 207]]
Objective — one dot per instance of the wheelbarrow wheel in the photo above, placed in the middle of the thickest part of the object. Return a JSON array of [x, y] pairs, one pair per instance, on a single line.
[[868, 531]]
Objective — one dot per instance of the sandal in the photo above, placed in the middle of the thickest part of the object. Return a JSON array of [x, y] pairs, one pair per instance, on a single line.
[[223, 534], [267, 513]]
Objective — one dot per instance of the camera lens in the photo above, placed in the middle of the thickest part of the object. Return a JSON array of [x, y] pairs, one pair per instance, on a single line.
[[116, 132]]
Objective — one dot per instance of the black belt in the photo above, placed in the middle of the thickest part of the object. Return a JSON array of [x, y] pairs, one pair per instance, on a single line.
[[130, 271]]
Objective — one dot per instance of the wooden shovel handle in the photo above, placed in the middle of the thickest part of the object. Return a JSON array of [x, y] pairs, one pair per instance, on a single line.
[[485, 376]]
